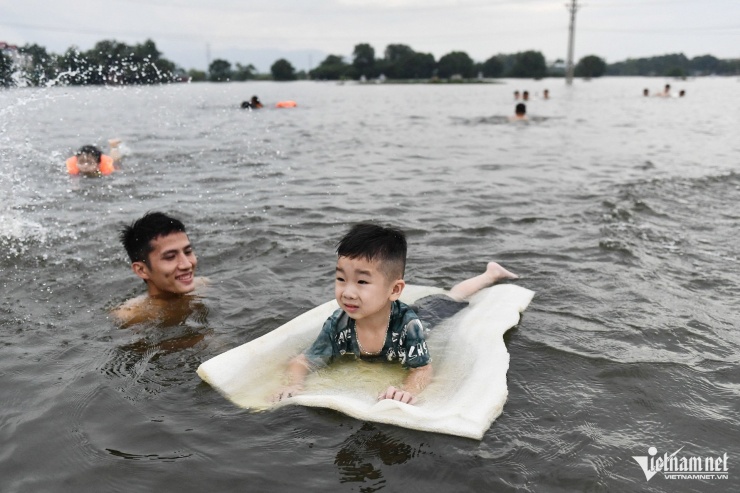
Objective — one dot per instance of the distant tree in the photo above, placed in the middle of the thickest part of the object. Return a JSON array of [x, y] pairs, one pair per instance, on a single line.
[[41, 66], [529, 64], [706, 65], [396, 52], [283, 70], [363, 60], [493, 67], [675, 72], [6, 70], [590, 66], [74, 67], [244, 72], [332, 68], [197, 75], [401, 62], [658, 65], [219, 71], [456, 63]]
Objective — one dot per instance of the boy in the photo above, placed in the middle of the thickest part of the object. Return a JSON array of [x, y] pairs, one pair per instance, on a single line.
[[90, 161], [161, 255], [371, 323]]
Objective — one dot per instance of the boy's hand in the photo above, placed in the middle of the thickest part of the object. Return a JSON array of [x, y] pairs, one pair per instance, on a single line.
[[398, 395], [285, 393]]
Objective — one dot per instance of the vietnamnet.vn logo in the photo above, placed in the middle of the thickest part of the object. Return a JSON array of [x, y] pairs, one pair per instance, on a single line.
[[673, 466]]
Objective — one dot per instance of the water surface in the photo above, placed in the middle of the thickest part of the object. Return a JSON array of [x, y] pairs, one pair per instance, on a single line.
[[620, 211]]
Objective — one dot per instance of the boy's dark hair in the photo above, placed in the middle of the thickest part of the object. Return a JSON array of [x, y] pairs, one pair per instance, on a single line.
[[92, 150], [387, 245], [137, 238], [521, 109]]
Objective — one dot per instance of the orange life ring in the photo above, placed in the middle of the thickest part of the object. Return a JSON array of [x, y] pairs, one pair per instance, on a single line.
[[286, 104]]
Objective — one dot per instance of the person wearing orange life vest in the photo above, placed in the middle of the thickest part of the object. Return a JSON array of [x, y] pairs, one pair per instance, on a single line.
[[90, 161]]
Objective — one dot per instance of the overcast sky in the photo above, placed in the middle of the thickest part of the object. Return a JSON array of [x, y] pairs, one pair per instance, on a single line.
[[190, 32]]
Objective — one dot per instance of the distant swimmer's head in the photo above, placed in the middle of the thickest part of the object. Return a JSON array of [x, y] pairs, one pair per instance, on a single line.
[[525, 95], [681, 93], [88, 159], [520, 110], [516, 95], [246, 105], [160, 253], [646, 92], [546, 94]]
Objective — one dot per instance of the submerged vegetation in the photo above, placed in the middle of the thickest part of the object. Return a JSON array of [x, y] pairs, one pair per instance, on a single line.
[[110, 62]]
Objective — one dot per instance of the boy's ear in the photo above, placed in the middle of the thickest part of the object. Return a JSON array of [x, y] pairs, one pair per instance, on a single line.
[[397, 289], [141, 270]]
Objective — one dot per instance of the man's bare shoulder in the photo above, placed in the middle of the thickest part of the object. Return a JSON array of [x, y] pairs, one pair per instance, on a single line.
[[134, 310]]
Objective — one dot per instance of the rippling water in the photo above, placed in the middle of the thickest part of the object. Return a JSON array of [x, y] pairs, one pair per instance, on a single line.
[[620, 211]]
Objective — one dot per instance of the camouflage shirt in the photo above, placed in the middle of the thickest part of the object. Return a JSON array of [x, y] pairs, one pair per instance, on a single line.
[[404, 341]]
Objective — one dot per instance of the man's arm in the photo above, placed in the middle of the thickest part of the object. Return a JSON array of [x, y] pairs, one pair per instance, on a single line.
[[415, 382]]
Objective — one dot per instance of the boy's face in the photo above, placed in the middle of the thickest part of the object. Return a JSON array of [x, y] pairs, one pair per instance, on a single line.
[[362, 290], [171, 269], [87, 164]]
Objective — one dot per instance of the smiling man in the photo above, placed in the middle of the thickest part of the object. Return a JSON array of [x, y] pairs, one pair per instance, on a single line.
[[162, 256]]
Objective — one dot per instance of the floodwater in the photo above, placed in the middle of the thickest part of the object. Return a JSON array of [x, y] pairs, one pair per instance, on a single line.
[[620, 211]]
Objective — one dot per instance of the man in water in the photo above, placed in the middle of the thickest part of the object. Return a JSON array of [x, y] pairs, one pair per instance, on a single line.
[[520, 112], [162, 256], [254, 103]]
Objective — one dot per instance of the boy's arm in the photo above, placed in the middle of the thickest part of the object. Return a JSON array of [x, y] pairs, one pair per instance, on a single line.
[[415, 382], [298, 369], [115, 152]]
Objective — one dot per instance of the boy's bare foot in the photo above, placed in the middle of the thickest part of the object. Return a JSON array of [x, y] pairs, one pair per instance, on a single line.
[[497, 273]]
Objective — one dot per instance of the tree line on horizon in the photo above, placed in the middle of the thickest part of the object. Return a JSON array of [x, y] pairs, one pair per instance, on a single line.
[[113, 62]]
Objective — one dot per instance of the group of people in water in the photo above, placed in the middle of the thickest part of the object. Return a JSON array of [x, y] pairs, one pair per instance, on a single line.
[[665, 93], [255, 104], [370, 324], [520, 110]]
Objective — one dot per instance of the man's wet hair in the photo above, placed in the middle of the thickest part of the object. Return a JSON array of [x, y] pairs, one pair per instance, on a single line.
[[521, 109], [372, 242], [137, 238], [92, 150]]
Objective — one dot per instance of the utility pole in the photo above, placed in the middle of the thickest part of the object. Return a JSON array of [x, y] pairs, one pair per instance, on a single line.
[[573, 8]]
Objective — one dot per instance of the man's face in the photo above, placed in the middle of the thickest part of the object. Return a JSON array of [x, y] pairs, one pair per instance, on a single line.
[[171, 269], [87, 164]]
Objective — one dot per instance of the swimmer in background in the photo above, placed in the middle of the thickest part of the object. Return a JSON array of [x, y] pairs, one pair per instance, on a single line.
[[520, 112], [162, 256], [516, 95], [681, 93], [525, 96], [546, 94], [90, 161], [666, 93], [646, 92], [371, 323], [254, 103]]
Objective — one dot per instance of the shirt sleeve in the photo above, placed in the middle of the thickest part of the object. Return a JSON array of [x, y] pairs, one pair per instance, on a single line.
[[326, 346], [415, 353]]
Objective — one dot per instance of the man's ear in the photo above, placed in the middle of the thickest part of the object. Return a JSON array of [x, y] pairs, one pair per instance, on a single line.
[[397, 289], [141, 270]]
